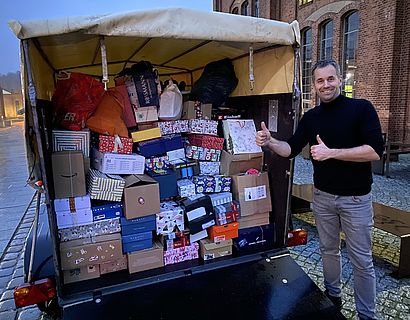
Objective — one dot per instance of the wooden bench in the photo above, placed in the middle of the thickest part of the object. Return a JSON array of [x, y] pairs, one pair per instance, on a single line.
[[386, 218], [394, 148]]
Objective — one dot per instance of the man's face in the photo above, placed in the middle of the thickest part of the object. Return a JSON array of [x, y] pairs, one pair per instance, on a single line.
[[327, 83]]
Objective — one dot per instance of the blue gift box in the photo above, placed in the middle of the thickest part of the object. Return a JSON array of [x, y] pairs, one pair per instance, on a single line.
[[136, 241], [107, 211], [160, 146], [141, 224], [167, 183], [254, 239]]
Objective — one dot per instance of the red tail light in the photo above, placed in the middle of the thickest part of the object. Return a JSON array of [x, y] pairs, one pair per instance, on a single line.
[[297, 237], [34, 293]]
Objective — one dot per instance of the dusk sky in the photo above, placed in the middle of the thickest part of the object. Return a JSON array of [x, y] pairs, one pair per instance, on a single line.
[[48, 9]]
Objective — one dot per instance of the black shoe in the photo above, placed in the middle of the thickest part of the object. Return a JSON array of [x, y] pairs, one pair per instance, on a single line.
[[337, 301]]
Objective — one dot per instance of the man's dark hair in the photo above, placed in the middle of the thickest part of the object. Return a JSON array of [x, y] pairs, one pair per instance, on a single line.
[[324, 63]]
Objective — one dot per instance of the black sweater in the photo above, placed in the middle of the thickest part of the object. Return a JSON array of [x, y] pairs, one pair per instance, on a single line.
[[342, 123]]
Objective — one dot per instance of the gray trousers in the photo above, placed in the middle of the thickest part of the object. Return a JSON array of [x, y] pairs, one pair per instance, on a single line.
[[354, 216]]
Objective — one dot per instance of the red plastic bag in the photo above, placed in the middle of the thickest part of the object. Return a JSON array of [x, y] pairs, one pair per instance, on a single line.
[[75, 99]]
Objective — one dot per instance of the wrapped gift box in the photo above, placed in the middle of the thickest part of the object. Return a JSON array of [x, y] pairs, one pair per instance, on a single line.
[[240, 163], [136, 241], [114, 163], [186, 188], [160, 146], [203, 126], [148, 134], [146, 114], [114, 266], [170, 218], [73, 211], [94, 250], [177, 155], [209, 168], [212, 184], [114, 144], [146, 259], [255, 239], [93, 229], [240, 135], [220, 198], [186, 253], [199, 153], [196, 110], [206, 141], [105, 187], [185, 168], [170, 127], [141, 224], [91, 271], [175, 239], [167, 183], [211, 250], [224, 232], [157, 163], [227, 213], [107, 211], [66, 140]]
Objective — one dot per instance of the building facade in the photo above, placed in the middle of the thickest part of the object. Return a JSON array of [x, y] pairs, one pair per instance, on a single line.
[[370, 40], [11, 104]]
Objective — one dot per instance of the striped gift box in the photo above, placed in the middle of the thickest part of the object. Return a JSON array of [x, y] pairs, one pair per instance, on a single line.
[[103, 186], [66, 140]]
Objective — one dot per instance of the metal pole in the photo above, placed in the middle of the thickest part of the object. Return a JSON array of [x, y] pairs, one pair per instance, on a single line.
[[33, 243]]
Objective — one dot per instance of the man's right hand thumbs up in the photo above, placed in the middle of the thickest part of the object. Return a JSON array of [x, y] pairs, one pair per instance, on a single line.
[[263, 136]]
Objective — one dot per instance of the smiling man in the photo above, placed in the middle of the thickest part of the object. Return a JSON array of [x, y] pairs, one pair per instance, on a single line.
[[344, 135]]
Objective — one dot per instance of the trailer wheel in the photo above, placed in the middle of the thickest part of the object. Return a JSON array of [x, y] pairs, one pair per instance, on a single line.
[[50, 308]]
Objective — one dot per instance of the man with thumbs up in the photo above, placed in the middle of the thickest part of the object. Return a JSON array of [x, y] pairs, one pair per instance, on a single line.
[[344, 135]]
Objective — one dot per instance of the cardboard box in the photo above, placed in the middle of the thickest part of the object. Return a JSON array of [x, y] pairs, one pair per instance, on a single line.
[[141, 196], [67, 140], [107, 211], [167, 183], [224, 232], [114, 266], [170, 218], [93, 229], [146, 114], [141, 224], [252, 192], [239, 163], [73, 211], [186, 253], [196, 110], [104, 187], [258, 219], [240, 135], [115, 163], [255, 239], [80, 274], [68, 174], [79, 253], [211, 250], [146, 259], [148, 134], [136, 241]]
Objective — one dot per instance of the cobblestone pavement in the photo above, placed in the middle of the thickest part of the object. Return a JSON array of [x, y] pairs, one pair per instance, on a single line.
[[393, 295]]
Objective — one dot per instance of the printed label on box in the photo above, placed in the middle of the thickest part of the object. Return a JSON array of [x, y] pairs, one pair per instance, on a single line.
[[196, 213], [255, 193]]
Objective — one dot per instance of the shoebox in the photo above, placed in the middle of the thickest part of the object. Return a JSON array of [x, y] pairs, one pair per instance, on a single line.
[[255, 239], [238, 163], [146, 114], [160, 146], [88, 272], [105, 187], [211, 250], [141, 196], [253, 193], [203, 126], [209, 168], [67, 140], [227, 213], [196, 110], [93, 229], [220, 198], [257, 219], [157, 163], [136, 241], [115, 163], [176, 239], [177, 155], [114, 266], [240, 135], [199, 214], [146, 259], [73, 211], [147, 134], [185, 168], [195, 237], [107, 211], [212, 184], [177, 255], [170, 127], [111, 144], [68, 174], [224, 232], [204, 154], [206, 141], [94, 250], [167, 180], [170, 218], [141, 224], [186, 188]]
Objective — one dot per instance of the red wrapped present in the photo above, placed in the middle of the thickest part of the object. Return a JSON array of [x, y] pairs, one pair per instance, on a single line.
[[206, 141], [115, 144]]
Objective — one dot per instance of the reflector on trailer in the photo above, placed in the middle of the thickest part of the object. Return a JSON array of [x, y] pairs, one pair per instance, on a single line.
[[34, 293]]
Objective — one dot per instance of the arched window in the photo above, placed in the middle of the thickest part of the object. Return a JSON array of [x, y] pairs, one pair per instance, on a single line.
[[256, 8], [349, 54], [245, 8], [306, 67], [326, 40], [235, 10]]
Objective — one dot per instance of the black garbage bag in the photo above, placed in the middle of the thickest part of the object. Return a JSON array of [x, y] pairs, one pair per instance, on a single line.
[[216, 83]]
